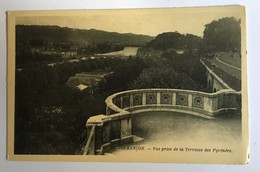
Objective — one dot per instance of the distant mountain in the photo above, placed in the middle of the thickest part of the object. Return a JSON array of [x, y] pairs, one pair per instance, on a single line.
[[56, 34], [171, 44], [175, 40]]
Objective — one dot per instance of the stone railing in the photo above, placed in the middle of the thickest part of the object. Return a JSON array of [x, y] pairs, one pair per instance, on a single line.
[[115, 127], [193, 102], [110, 131]]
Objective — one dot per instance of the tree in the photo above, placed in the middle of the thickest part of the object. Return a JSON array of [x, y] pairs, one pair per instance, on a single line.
[[167, 40], [222, 35], [166, 77], [123, 73]]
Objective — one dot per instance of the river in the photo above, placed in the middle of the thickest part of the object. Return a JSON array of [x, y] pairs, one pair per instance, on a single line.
[[127, 51]]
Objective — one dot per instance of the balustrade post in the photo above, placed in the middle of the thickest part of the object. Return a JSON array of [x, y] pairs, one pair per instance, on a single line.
[[131, 100], [173, 98], [126, 127], [158, 96], [208, 104], [190, 100], [126, 130], [107, 110], [214, 104], [90, 147], [100, 134], [106, 132], [121, 102], [93, 145], [144, 99]]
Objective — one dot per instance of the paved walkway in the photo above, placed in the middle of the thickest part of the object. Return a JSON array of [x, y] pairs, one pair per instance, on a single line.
[[170, 129]]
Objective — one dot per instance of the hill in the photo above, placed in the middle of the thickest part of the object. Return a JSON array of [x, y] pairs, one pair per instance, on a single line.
[[41, 34], [171, 44]]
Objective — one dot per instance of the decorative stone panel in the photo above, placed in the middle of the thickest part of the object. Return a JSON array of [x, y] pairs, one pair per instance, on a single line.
[[166, 98], [117, 101], [137, 99], [125, 101], [222, 102], [197, 101], [182, 99], [151, 98], [227, 101]]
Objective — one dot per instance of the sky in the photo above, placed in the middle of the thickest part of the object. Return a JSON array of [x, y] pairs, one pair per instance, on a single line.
[[139, 21]]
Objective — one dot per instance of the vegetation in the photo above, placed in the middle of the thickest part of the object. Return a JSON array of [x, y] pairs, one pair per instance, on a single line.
[[167, 77], [170, 45], [42, 35], [50, 117], [39, 44], [172, 55], [24, 58], [222, 35], [175, 40], [123, 74]]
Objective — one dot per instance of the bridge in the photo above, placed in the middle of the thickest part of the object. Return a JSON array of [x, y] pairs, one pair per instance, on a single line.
[[223, 71]]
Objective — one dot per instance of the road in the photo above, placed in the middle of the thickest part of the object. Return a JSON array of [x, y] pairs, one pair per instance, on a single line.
[[230, 65], [233, 60], [227, 64]]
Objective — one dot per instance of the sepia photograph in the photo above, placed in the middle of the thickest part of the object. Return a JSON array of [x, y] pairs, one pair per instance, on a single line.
[[132, 85]]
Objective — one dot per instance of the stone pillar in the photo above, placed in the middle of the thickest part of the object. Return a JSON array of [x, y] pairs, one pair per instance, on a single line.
[[106, 132], [208, 104], [158, 97], [107, 110], [126, 127], [144, 99], [213, 85], [190, 100], [131, 100], [214, 104], [209, 81], [106, 139], [126, 131], [173, 98], [90, 148], [121, 102], [98, 137]]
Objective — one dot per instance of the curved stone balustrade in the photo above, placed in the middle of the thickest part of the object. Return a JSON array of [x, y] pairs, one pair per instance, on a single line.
[[187, 101], [115, 127]]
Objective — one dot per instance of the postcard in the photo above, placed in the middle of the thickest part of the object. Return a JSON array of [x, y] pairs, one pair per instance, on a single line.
[[128, 85]]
